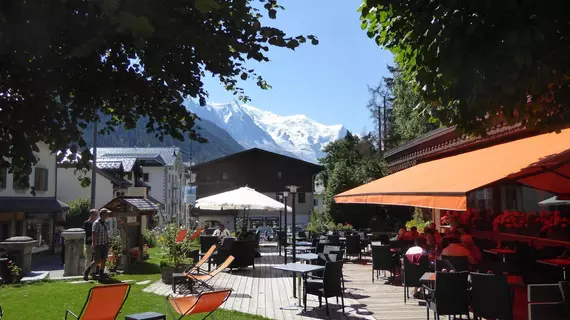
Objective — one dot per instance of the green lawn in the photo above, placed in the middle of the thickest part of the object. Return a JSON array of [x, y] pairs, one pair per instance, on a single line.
[[49, 300]]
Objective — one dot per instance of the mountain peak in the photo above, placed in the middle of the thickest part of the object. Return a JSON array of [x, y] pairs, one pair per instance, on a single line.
[[295, 135]]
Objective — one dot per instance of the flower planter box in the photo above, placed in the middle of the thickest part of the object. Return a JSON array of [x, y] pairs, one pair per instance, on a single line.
[[167, 271]]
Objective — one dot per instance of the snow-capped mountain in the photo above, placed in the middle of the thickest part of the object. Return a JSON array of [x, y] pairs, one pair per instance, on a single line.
[[296, 136]]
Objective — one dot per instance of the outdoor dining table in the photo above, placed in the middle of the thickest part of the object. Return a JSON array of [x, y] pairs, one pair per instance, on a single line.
[[517, 281], [307, 256], [301, 248], [558, 262], [303, 244], [299, 270], [503, 252]]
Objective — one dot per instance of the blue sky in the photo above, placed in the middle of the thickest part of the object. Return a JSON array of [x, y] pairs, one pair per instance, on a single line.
[[327, 82]]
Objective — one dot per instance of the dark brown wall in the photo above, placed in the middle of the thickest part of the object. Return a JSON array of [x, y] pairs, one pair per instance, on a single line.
[[257, 169]]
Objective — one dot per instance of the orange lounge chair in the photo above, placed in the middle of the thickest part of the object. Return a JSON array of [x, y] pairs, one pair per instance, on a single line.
[[196, 267], [202, 303], [196, 233], [103, 302], [181, 235], [203, 279]]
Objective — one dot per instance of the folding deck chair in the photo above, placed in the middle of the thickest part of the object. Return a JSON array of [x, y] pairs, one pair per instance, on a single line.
[[195, 268], [202, 279], [202, 303], [103, 302]]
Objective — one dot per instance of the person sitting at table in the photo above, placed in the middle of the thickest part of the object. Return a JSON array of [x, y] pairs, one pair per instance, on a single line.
[[432, 245], [415, 253], [222, 232], [452, 232], [454, 249], [474, 253], [412, 234], [401, 234]]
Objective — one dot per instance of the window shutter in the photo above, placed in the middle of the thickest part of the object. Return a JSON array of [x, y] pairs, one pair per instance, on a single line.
[[3, 178], [46, 172], [37, 179]]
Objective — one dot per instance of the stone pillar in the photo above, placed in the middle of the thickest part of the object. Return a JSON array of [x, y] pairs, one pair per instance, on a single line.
[[21, 249], [74, 256]]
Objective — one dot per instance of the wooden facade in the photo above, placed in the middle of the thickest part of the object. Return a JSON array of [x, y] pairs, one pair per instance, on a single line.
[[446, 142], [264, 171]]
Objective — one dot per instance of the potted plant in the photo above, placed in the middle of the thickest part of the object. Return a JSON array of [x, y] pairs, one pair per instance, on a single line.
[[555, 226], [116, 252], [174, 254]]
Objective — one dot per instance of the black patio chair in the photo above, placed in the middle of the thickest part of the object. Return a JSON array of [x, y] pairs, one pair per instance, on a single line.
[[1, 312], [491, 296], [333, 240], [443, 265], [206, 242], [412, 273], [330, 249], [353, 246], [327, 287], [450, 296], [549, 301], [321, 246], [282, 240], [243, 251], [384, 239], [460, 263], [381, 260]]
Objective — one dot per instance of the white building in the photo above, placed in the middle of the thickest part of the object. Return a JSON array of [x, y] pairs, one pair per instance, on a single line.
[[21, 212], [162, 170]]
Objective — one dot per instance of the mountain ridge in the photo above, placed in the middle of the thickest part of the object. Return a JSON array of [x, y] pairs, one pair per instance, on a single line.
[[297, 135]]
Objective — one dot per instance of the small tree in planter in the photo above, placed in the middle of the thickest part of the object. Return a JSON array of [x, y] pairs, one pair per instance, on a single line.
[[174, 254], [15, 272]]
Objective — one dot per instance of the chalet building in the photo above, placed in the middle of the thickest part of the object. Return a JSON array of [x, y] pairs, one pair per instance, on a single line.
[[25, 214], [266, 172], [445, 142], [163, 171]]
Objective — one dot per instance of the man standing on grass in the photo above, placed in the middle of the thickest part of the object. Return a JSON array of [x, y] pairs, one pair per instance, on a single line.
[[88, 227], [100, 244]]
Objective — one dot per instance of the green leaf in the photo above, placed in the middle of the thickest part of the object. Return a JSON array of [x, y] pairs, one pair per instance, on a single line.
[[272, 13], [243, 76], [205, 6], [314, 41]]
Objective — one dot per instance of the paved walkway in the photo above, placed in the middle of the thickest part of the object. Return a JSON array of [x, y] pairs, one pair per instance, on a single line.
[[264, 291]]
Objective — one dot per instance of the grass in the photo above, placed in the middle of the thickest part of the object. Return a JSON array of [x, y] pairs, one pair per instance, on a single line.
[[49, 300]]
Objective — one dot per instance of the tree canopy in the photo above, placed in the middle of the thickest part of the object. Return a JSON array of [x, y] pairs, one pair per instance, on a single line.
[[480, 63], [349, 162], [64, 64]]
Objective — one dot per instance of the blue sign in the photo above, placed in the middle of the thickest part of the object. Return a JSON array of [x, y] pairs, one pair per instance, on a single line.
[[190, 194]]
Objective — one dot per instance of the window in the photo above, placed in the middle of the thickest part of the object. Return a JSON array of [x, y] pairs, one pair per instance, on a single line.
[[511, 198], [145, 177], [129, 176], [41, 179], [17, 184], [316, 202], [301, 196], [3, 178]]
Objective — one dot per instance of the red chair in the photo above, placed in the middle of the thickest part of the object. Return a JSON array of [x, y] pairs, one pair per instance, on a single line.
[[202, 303], [103, 302], [196, 233], [181, 235]]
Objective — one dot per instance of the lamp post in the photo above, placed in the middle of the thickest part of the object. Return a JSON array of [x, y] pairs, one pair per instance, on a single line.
[[293, 191], [280, 199], [285, 196]]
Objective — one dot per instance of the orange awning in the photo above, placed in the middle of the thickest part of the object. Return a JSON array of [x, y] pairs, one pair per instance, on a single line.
[[444, 183]]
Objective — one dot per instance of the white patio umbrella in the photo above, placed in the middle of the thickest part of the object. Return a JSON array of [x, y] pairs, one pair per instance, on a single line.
[[554, 201], [241, 198]]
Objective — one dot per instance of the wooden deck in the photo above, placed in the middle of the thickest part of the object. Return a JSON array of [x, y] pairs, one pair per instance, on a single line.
[[264, 290]]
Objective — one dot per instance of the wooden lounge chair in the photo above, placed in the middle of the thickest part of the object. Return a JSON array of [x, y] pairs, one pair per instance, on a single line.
[[181, 235], [203, 279], [202, 303], [194, 269], [103, 302]]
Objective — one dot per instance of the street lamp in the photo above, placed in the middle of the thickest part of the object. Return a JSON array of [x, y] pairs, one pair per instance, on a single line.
[[293, 191], [285, 196], [280, 199]]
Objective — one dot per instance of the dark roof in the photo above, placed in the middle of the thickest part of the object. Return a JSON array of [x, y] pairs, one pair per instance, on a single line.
[[164, 155], [141, 204], [115, 180], [419, 140], [253, 150], [31, 205], [140, 183]]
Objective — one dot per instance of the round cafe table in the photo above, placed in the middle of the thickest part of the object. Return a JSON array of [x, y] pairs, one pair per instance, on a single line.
[[502, 252], [558, 262]]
